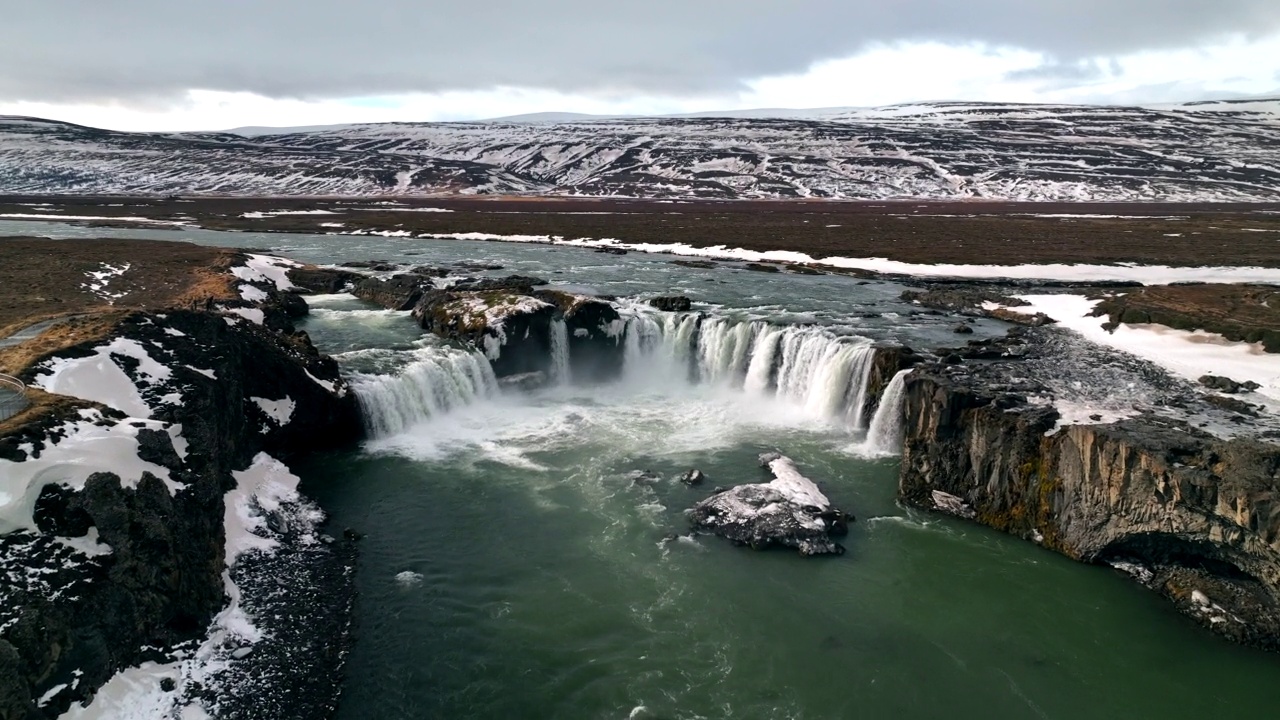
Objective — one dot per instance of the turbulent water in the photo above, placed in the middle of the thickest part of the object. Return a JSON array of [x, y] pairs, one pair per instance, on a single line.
[[512, 568]]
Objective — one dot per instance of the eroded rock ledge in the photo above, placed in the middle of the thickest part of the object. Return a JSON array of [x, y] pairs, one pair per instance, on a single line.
[[223, 390], [1191, 515]]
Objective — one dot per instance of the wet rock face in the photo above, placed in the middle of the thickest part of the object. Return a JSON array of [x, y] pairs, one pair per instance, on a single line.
[[789, 511], [1182, 510], [888, 361]]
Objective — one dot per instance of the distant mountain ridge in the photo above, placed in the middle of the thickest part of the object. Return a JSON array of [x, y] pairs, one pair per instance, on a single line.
[[1222, 150]]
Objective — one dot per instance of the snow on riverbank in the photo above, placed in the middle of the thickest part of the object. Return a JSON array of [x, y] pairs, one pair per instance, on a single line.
[[267, 269], [1186, 354], [266, 487], [1145, 274]]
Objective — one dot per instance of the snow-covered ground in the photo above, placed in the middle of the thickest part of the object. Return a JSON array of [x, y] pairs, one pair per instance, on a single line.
[[1146, 274], [1186, 354], [1193, 152]]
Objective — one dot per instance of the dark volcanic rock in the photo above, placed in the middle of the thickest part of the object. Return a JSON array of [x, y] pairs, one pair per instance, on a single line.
[[323, 280], [398, 292], [594, 330], [790, 511], [761, 267], [512, 328], [693, 477], [672, 303], [1192, 516], [963, 329], [959, 299], [700, 264], [514, 283], [80, 619], [888, 361], [974, 300], [1227, 385]]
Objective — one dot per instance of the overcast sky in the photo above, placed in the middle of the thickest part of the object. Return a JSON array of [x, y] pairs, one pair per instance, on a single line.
[[212, 64]]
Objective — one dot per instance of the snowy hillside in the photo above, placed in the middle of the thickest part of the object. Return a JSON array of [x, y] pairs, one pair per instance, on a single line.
[[1217, 150]]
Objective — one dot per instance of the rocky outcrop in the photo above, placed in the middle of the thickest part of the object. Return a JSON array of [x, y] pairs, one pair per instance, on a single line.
[[977, 300], [323, 280], [672, 303], [1188, 514], [1227, 385], [398, 292], [512, 328], [235, 389], [594, 330], [789, 511]]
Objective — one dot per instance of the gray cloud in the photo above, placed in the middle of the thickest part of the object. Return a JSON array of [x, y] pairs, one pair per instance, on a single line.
[[144, 50], [1079, 71]]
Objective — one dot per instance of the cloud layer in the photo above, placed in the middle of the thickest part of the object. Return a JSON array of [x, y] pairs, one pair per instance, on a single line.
[[149, 51]]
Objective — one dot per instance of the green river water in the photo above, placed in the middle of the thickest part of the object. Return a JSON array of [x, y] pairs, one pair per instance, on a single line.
[[511, 569]]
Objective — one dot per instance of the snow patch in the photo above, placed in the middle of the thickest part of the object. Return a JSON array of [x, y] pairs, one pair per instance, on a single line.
[[254, 315], [281, 411], [100, 378], [1183, 353], [87, 446], [267, 268], [252, 294]]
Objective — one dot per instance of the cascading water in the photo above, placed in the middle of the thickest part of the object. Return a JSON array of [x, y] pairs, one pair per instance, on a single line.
[[884, 437], [438, 380], [808, 366], [560, 372]]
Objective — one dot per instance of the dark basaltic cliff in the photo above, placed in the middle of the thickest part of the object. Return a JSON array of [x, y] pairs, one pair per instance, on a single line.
[[1188, 514], [73, 621]]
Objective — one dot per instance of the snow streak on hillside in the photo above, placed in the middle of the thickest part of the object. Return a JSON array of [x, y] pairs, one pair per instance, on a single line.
[[1219, 151]]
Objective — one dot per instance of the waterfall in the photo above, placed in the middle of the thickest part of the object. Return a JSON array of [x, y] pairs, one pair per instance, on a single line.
[[884, 437], [824, 373], [438, 380], [560, 373], [760, 371]]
